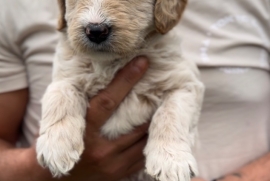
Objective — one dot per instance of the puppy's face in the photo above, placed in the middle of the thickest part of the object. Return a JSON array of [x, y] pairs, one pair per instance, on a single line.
[[116, 26]]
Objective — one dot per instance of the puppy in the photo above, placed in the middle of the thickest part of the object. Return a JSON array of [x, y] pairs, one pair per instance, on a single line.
[[99, 37]]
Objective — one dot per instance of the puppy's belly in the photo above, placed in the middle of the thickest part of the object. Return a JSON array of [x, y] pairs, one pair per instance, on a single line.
[[135, 110]]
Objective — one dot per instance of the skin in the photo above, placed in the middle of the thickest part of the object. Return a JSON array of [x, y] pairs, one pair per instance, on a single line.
[[258, 170], [197, 179], [102, 160]]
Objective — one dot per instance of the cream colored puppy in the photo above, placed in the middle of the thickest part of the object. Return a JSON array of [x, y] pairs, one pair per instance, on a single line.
[[99, 37]]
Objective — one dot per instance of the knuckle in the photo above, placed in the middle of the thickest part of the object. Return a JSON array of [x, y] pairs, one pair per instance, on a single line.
[[106, 102], [97, 156], [142, 129], [112, 171], [111, 148]]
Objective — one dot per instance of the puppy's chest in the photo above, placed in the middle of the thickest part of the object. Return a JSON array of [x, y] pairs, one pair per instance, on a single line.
[[162, 76], [160, 79]]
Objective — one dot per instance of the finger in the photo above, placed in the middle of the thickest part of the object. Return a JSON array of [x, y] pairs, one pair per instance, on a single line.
[[103, 105], [135, 152], [135, 168], [126, 141], [131, 157]]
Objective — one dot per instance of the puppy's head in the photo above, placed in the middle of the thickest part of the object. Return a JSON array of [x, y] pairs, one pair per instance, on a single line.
[[116, 26]]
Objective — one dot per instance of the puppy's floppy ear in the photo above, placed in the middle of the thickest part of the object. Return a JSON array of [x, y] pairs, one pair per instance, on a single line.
[[62, 23], [167, 14]]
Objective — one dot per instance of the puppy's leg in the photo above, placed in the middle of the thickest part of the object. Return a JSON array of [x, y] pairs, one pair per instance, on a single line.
[[62, 127], [171, 135]]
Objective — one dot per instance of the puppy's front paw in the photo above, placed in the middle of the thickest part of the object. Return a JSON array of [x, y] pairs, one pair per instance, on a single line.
[[163, 165], [60, 147]]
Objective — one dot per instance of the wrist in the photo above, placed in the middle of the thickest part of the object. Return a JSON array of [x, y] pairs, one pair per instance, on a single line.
[[32, 166], [21, 164]]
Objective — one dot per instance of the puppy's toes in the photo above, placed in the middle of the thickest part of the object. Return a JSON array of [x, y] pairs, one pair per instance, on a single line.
[[164, 166], [59, 149]]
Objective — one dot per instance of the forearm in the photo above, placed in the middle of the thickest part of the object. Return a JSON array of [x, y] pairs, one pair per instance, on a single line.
[[20, 164], [257, 170]]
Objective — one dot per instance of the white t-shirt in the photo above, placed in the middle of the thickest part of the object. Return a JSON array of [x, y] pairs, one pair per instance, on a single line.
[[227, 33], [234, 37], [27, 43], [235, 120]]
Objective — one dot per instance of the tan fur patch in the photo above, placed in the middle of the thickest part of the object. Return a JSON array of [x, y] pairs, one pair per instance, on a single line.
[[61, 20], [168, 13]]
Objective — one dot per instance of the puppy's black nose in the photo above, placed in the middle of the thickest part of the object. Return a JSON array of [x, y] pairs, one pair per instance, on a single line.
[[97, 33]]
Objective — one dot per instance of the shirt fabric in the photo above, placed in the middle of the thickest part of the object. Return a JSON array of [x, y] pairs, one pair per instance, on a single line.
[[229, 40], [27, 43], [227, 33]]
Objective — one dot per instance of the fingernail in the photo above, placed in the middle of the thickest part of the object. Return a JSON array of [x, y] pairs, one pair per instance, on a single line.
[[141, 63]]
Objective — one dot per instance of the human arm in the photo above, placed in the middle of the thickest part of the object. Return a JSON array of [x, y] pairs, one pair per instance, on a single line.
[[258, 170], [102, 159]]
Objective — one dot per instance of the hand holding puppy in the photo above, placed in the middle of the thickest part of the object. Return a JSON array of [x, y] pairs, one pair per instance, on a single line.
[[112, 160], [105, 160]]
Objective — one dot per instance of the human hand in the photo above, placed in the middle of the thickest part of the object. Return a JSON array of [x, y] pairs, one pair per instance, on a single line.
[[105, 160]]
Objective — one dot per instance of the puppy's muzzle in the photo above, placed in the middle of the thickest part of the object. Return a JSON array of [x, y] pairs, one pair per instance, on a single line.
[[97, 33]]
